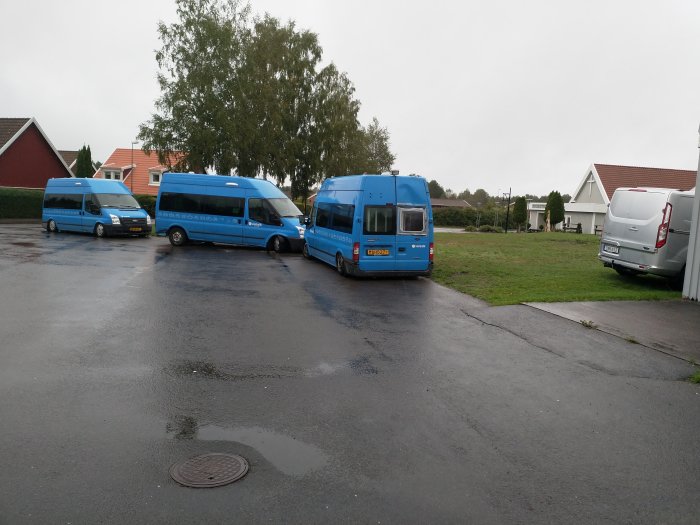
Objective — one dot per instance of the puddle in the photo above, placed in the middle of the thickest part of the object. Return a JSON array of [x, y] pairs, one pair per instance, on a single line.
[[206, 370], [290, 456], [324, 369]]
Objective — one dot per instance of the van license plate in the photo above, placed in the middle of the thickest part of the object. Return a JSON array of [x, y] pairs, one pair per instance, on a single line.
[[134, 229], [609, 248], [377, 252]]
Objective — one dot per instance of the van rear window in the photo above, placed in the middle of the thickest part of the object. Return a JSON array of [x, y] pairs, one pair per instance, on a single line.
[[637, 205], [412, 220], [380, 220]]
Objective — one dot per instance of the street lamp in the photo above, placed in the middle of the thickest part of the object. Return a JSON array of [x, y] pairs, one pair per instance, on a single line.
[[131, 175], [507, 209]]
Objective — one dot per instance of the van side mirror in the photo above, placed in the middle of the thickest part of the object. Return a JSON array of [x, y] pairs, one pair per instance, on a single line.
[[307, 221]]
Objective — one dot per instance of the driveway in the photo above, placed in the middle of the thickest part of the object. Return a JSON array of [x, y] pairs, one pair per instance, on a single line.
[[371, 401]]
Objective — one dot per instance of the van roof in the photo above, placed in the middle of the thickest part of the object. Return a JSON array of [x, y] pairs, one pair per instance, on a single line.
[[363, 182], [265, 187], [94, 185]]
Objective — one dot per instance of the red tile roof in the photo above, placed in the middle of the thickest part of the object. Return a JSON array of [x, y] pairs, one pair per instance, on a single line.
[[614, 177], [143, 163]]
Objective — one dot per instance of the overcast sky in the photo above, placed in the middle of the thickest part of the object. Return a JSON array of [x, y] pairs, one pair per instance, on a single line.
[[475, 94]]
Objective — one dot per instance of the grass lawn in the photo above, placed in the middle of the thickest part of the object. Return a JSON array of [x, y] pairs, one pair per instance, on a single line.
[[548, 267]]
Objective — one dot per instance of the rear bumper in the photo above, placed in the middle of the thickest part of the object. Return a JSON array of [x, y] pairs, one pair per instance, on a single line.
[[609, 262], [354, 269]]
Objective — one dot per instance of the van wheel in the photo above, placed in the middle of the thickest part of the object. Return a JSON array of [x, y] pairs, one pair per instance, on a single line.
[[340, 264], [51, 226], [177, 236], [100, 230], [278, 244], [305, 251]]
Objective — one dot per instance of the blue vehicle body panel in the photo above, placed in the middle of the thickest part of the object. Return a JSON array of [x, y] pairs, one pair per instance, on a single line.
[[80, 217], [230, 226], [381, 202]]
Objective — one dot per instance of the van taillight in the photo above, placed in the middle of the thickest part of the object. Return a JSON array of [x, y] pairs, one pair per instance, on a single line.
[[662, 235], [356, 252], [431, 253]]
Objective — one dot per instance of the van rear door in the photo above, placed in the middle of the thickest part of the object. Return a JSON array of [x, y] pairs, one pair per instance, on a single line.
[[632, 224]]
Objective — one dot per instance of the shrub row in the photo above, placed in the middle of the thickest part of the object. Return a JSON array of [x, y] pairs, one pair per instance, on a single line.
[[26, 204], [463, 217], [20, 204]]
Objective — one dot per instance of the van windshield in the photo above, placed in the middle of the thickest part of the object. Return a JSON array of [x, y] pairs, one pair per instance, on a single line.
[[116, 200], [284, 207]]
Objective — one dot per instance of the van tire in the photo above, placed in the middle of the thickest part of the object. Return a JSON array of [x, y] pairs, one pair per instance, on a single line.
[[51, 226], [100, 230], [177, 236], [678, 280], [305, 251], [278, 244], [340, 264]]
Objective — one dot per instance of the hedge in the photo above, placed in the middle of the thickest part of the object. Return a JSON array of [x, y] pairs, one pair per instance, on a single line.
[[20, 204], [463, 217], [27, 204]]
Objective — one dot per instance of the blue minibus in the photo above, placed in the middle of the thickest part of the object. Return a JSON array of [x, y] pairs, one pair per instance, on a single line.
[[372, 225], [98, 206], [228, 210]]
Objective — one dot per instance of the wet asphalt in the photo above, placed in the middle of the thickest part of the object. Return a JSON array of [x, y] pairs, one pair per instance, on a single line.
[[357, 401]]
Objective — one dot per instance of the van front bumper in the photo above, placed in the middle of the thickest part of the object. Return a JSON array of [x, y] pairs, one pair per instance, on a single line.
[[127, 229], [295, 245]]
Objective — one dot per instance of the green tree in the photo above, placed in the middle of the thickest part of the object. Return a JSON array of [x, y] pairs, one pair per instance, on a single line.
[[198, 63], [436, 191], [378, 156], [83, 166], [520, 212], [555, 207]]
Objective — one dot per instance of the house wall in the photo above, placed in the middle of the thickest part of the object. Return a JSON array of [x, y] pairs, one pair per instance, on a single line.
[[30, 161], [589, 193], [586, 220]]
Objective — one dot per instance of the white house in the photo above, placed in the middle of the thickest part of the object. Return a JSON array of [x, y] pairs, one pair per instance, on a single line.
[[589, 202]]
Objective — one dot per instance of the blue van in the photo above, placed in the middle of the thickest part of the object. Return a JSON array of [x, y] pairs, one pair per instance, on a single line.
[[102, 207], [229, 210], [372, 225]]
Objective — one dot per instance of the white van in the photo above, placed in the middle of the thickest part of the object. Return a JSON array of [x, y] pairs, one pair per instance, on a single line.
[[647, 231]]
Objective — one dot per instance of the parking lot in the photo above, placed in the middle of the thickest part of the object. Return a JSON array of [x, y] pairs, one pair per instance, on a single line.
[[370, 401]]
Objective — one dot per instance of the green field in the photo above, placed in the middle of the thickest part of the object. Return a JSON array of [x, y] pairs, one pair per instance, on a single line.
[[548, 267]]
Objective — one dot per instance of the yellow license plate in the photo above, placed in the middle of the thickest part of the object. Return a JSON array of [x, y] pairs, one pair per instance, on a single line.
[[377, 252], [134, 229]]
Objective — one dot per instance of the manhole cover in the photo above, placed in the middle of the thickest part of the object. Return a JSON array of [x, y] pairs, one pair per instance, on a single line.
[[209, 470]]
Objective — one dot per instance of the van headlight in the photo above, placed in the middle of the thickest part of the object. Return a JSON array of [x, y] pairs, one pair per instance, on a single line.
[[115, 219], [148, 219], [301, 232]]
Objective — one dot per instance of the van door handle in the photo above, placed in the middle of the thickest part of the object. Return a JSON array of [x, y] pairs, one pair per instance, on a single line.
[[402, 249], [633, 229]]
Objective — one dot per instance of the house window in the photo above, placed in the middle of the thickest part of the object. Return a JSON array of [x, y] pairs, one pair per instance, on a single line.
[[113, 175], [154, 178]]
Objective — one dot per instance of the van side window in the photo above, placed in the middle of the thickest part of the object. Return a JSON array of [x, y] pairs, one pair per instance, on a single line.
[[205, 204], [312, 219], [341, 217], [64, 201], [262, 211], [412, 220], [323, 215], [380, 220], [91, 205]]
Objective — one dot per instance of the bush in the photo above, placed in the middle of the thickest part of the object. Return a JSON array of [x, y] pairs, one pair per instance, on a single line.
[[20, 204], [471, 228], [487, 228], [148, 203]]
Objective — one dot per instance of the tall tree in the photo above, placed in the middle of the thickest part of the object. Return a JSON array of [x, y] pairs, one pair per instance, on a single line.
[[378, 156], [555, 207], [520, 212], [199, 63], [436, 191], [83, 166]]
